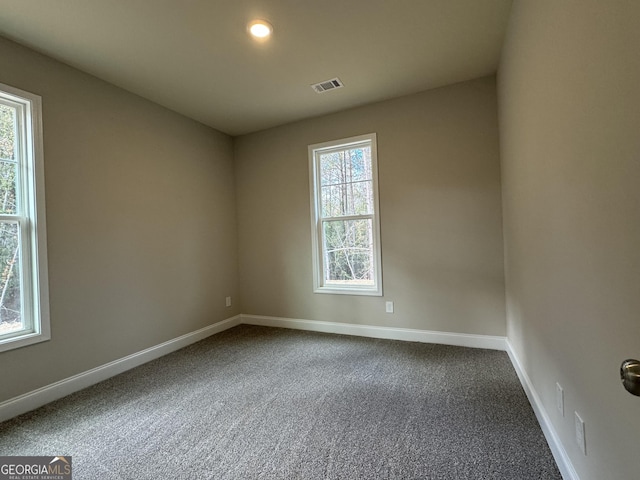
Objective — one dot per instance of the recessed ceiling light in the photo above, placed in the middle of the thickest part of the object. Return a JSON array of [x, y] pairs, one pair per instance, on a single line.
[[260, 29]]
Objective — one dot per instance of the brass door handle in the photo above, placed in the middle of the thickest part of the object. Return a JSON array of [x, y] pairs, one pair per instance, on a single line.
[[630, 375]]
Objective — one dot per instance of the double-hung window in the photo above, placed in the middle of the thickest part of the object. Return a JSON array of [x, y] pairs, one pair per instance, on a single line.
[[345, 216], [24, 308]]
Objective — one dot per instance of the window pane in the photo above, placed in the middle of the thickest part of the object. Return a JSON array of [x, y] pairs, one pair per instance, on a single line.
[[347, 199], [333, 201], [11, 318], [7, 132], [348, 250], [346, 182], [360, 163], [345, 166], [8, 187], [332, 170]]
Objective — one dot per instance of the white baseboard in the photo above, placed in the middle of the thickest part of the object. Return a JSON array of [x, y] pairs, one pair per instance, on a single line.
[[37, 398], [392, 333], [565, 466]]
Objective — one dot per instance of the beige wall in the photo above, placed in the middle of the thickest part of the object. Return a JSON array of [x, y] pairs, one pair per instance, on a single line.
[[569, 94], [141, 223], [441, 222]]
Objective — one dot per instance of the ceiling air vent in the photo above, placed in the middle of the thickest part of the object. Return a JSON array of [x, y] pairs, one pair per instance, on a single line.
[[327, 85]]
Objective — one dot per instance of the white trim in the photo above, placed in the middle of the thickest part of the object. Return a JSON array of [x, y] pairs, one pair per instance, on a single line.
[[31, 218], [41, 396], [565, 466], [391, 333], [317, 242]]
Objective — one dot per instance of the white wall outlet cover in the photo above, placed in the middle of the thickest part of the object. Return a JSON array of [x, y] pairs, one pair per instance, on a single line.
[[389, 307]]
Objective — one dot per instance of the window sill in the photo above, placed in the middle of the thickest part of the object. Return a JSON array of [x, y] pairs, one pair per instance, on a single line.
[[370, 292], [22, 341]]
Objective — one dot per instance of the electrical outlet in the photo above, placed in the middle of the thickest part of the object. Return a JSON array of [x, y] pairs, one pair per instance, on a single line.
[[560, 399], [389, 307], [580, 433], [227, 301]]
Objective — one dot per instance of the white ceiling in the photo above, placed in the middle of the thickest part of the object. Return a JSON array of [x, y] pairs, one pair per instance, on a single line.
[[195, 57]]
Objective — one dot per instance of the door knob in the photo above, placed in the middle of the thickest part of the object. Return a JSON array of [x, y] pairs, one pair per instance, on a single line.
[[630, 375]]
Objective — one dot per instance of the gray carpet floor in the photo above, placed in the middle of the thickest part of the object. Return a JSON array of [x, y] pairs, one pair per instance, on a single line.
[[267, 403]]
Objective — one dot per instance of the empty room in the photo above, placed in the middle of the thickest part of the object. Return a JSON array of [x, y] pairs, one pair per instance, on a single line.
[[284, 239]]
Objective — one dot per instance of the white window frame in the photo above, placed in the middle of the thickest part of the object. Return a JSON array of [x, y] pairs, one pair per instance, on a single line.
[[31, 218], [319, 284]]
